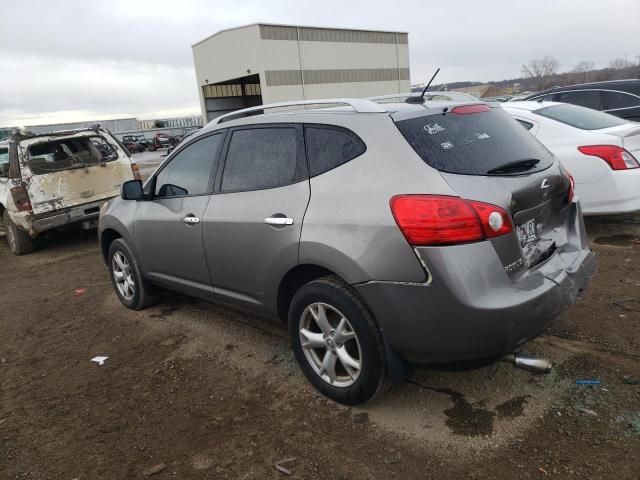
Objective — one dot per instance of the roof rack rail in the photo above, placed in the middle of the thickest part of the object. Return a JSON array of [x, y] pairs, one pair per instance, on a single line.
[[360, 105], [393, 95]]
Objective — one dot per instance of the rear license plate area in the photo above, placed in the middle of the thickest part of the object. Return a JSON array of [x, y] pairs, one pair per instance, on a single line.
[[527, 232]]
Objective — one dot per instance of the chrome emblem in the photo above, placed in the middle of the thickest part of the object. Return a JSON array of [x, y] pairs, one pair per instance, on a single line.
[[544, 186]]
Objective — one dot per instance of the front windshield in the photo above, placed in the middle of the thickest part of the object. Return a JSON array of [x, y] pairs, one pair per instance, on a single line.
[[580, 117], [68, 153], [4, 161]]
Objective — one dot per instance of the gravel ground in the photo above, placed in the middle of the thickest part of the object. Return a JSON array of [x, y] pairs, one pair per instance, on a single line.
[[195, 391]]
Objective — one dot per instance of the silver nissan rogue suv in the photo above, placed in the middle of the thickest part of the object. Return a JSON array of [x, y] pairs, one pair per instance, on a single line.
[[418, 233]]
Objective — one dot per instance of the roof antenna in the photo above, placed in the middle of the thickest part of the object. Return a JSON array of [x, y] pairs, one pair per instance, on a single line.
[[420, 99]]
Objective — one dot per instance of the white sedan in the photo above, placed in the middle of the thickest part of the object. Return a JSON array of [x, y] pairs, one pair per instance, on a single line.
[[599, 150]]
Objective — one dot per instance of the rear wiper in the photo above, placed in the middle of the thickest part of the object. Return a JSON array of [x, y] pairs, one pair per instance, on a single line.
[[518, 165]]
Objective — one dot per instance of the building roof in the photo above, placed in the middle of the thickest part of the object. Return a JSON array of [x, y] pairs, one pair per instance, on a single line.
[[294, 26], [46, 125]]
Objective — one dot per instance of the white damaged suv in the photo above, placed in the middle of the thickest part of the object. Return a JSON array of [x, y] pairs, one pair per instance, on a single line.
[[52, 180]]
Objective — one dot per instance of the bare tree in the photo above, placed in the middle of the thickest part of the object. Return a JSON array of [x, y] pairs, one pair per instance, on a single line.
[[582, 70], [619, 64], [584, 66], [541, 70]]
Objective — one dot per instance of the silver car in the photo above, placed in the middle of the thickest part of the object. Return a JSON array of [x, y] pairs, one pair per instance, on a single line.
[[381, 234]]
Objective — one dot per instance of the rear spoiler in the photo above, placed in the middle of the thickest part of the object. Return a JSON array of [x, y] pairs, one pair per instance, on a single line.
[[632, 133]]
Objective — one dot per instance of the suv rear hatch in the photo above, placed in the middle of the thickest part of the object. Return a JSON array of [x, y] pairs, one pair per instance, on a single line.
[[62, 171], [486, 156]]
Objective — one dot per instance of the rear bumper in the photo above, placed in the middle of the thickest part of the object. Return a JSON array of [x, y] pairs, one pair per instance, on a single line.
[[442, 322], [87, 212], [470, 308]]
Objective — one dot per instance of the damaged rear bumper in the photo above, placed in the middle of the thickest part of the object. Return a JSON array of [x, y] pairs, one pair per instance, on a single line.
[[472, 310], [36, 224]]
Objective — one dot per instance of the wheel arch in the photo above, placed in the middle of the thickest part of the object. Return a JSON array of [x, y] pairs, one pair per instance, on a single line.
[[107, 237], [292, 281]]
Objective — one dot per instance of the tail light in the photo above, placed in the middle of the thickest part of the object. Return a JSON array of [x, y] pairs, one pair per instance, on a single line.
[[136, 171], [617, 157], [442, 220], [469, 109], [21, 198]]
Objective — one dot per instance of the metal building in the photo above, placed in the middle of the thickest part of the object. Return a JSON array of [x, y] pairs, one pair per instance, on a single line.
[[265, 63], [117, 125]]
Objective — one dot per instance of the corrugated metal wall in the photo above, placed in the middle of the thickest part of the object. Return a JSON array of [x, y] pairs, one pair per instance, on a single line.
[[275, 78], [310, 34]]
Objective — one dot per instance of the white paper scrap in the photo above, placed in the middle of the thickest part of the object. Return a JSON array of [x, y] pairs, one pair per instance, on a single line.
[[99, 360]]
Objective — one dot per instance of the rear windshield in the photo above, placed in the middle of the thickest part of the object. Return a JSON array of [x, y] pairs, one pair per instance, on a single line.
[[4, 162], [68, 153], [474, 144], [580, 117]]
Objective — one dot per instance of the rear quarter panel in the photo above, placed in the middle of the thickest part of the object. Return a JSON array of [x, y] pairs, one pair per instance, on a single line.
[[348, 227], [563, 141]]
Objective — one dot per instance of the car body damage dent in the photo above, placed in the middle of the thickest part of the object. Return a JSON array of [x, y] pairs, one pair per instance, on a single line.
[[69, 188]]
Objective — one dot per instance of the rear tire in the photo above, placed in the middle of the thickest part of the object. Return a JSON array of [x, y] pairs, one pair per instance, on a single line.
[[20, 243], [130, 286], [343, 357]]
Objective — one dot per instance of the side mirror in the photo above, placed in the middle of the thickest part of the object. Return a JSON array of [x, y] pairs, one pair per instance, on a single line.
[[132, 190]]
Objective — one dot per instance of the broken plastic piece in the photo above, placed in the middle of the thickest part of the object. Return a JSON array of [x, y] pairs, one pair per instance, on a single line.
[[157, 468], [99, 360], [591, 381], [280, 468]]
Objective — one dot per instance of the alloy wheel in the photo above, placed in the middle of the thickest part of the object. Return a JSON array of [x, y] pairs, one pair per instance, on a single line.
[[330, 345], [123, 275]]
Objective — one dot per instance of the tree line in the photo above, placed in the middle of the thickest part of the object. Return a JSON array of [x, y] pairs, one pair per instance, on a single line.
[[542, 73]]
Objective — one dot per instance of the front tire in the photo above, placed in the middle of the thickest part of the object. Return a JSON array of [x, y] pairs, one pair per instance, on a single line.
[[20, 243], [336, 342], [130, 286]]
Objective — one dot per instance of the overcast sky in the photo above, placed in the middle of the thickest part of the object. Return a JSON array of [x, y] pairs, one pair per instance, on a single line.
[[81, 60]]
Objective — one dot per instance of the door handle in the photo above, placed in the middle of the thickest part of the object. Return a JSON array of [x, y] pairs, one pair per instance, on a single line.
[[190, 220], [278, 221]]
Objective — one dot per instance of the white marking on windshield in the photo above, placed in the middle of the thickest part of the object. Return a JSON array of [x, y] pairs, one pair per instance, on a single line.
[[446, 145]]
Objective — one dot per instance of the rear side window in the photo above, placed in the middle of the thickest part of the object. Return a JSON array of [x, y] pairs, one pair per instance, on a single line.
[[189, 171], [473, 144], [620, 100], [260, 158], [584, 98], [329, 147], [580, 117]]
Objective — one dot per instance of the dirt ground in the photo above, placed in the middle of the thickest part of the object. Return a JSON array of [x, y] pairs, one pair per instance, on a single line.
[[195, 391]]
